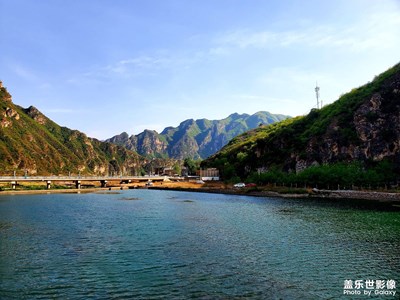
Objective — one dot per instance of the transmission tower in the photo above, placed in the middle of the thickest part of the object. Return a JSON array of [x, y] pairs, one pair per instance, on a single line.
[[317, 94]]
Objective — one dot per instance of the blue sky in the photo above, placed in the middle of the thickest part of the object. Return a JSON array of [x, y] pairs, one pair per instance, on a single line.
[[108, 66]]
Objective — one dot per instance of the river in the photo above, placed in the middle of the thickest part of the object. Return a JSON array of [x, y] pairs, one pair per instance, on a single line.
[[147, 244]]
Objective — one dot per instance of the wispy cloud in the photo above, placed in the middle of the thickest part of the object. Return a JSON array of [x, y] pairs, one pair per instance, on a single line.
[[24, 72], [60, 110], [129, 67], [146, 65], [141, 62], [292, 75], [375, 31]]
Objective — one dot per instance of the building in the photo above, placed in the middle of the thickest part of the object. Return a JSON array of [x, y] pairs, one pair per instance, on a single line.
[[209, 174]]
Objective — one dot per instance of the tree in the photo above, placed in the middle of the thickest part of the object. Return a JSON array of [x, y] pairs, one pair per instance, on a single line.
[[191, 165], [177, 168]]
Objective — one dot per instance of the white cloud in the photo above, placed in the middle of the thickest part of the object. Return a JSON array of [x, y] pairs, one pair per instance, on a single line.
[[378, 30]]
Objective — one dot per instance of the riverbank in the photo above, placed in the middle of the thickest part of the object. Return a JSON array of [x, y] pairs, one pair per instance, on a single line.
[[374, 200], [386, 198], [351, 194], [221, 188], [314, 193]]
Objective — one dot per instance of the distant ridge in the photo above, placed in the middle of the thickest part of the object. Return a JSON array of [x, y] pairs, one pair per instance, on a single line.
[[196, 139]]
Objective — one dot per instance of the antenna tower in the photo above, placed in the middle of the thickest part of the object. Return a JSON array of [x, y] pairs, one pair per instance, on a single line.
[[317, 94]]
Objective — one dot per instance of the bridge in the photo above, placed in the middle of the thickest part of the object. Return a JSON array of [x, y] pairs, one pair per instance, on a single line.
[[77, 180]]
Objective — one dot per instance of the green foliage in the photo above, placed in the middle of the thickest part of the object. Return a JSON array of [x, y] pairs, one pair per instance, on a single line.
[[228, 171], [191, 165], [331, 176], [241, 156], [234, 179], [177, 169]]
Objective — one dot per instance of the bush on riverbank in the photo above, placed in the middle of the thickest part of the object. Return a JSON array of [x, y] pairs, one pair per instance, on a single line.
[[332, 176]]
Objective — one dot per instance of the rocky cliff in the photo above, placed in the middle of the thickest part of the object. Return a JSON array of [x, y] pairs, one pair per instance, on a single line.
[[31, 143], [363, 126], [193, 138]]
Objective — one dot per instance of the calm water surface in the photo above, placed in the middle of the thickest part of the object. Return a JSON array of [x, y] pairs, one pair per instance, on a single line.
[[143, 244]]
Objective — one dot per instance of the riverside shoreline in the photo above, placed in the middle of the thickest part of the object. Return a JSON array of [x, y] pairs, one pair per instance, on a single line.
[[332, 194], [392, 199], [385, 198]]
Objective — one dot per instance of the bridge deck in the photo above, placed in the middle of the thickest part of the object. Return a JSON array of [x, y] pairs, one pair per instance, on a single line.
[[84, 178]]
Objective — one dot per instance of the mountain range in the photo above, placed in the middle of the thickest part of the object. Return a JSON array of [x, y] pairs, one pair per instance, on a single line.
[[361, 126], [32, 144], [195, 139]]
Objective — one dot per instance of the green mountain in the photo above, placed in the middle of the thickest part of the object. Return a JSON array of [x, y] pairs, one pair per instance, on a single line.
[[33, 144], [361, 129], [193, 138]]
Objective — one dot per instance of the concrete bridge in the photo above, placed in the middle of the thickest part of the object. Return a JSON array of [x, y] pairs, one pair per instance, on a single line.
[[77, 180]]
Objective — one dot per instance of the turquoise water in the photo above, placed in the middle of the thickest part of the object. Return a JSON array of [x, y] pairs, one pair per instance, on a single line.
[[146, 244]]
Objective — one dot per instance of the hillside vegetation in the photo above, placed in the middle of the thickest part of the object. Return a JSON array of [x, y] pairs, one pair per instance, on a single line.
[[30, 143], [360, 131]]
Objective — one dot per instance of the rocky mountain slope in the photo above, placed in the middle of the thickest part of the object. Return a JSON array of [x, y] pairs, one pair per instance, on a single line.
[[363, 126], [193, 138], [33, 144]]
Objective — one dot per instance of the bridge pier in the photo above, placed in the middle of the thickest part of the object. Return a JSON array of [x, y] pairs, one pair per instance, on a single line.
[[78, 184], [103, 183], [13, 185], [48, 184]]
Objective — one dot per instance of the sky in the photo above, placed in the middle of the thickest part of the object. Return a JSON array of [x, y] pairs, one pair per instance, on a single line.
[[108, 66]]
